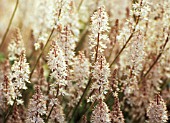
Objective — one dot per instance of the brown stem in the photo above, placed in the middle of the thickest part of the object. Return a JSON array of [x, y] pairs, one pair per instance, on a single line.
[[9, 25], [52, 31], [97, 47], [157, 58]]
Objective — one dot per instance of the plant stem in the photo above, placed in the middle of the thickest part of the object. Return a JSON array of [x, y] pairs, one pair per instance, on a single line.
[[52, 31], [98, 36], [80, 5], [82, 97], [50, 113], [157, 58], [124, 46], [9, 111], [58, 87], [9, 25]]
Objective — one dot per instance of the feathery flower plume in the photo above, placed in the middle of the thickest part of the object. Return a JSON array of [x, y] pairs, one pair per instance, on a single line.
[[62, 12], [141, 9], [157, 111], [58, 67], [99, 28], [4, 86], [16, 46], [44, 22], [57, 113], [81, 70], [19, 75], [81, 73], [100, 75], [67, 43], [15, 117], [101, 113], [136, 59], [37, 107], [116, 113]]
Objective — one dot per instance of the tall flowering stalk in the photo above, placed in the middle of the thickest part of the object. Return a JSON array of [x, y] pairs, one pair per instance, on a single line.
[[19, 76], [44, 16], [81, 74], [136, 60], [55, 111], [16, 46], [116, 113], [99, 29], [100, 75], [58, 67], [4, 86], [67, 43], [15, 117]]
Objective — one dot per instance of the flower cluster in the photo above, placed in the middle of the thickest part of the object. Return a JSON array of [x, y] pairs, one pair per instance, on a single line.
[[58, 66], [100, 75], [37, 107], [157, 111], [99, 29], [16, 46], [99, 61], [19, 76], [101, 113]]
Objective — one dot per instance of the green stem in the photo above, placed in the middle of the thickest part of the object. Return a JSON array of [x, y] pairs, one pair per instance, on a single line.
[[80, 5], [9, 25], [82, 97]]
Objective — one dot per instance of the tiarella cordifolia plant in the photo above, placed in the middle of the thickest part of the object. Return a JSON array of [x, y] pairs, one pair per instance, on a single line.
[[69, 61], [116, 113]]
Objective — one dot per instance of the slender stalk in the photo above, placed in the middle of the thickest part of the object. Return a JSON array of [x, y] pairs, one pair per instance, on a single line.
[[82, 97], [49, 113], [80, 5], [58, 87], [157, 58], [52, 31], [9, 25], [98, 36], [124, 46], [9, 112]]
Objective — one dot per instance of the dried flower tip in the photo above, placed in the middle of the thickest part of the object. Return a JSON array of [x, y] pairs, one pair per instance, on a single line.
[[157, 111], [16, 46], [116, 114]]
